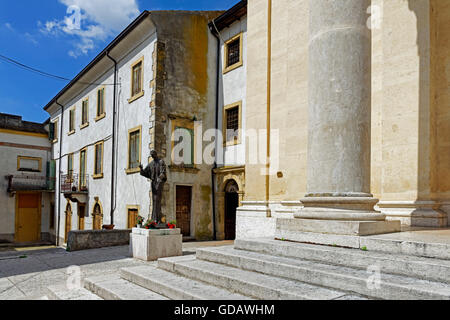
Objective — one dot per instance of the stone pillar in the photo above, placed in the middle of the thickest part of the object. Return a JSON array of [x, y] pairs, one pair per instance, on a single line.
[[339, 99], [338, 203]]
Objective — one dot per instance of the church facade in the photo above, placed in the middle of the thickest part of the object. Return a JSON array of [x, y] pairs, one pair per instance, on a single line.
[[358, 96]]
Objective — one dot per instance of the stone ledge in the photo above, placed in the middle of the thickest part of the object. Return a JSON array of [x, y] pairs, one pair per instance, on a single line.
[[156, 232], [91, 239], [336, 227]]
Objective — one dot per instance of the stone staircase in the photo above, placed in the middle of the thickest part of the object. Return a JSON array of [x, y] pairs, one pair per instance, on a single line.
[[272, 269]]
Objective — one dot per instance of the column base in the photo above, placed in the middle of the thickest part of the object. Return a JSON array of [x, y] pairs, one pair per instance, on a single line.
[[256, 219], [414, 213], [335, 221]]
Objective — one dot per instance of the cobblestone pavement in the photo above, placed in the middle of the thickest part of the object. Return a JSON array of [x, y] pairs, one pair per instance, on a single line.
[[25, 273]]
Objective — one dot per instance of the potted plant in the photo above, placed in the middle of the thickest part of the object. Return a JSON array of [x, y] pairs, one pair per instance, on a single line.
[[139, 221], [172, 224], [150, 224]]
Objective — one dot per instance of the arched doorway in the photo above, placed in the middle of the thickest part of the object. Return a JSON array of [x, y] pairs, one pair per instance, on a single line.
[[97, 217], [231, 204], [68, 221]]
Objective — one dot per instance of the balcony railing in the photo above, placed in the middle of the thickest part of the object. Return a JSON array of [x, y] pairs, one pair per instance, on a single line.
[[74, 183], [30, 183]]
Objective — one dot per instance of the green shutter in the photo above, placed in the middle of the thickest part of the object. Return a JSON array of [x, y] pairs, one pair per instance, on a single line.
[[51, 134]]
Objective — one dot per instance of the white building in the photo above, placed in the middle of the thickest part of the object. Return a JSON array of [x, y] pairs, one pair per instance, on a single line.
[[160, 66], [231, 31], [27, 181]]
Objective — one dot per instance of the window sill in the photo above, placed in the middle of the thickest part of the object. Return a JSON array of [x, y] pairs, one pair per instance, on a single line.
[[71, 132], [232, 67], [135, 97], [100, 117], [28, 170], [132, 171], [97, 176], [84, 125], [231, 143]]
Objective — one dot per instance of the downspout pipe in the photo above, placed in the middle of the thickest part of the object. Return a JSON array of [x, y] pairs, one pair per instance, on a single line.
[[59, 170], [113, 167], [213, 173]]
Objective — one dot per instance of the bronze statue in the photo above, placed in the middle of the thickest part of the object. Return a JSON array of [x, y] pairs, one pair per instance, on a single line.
[[156, 172]]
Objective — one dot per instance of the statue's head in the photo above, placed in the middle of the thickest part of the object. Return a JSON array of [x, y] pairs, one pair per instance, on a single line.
[[154, 154]]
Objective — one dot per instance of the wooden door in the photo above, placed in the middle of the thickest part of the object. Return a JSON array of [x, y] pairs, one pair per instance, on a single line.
[[68, 227], [28, 217], [183, 209], [81, 215], [132, 216], [231, 204], [97, 217]]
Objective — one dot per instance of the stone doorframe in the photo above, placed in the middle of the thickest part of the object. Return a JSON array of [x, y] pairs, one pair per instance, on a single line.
[[223, 176]]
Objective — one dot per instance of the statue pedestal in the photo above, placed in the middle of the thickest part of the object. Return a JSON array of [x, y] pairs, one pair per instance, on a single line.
[[152, 244]]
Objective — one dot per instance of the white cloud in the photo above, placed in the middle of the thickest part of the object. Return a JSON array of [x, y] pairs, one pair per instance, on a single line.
[[9, 26], [30, 38], [90, 21]]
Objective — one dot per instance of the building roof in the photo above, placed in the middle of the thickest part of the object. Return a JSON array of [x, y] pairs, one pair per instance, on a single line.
[[230, 16], [145, 14], [13, 122], [101, 55]]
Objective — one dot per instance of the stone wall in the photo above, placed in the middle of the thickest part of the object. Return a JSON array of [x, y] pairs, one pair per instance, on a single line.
[[184, 82], [91, 239]]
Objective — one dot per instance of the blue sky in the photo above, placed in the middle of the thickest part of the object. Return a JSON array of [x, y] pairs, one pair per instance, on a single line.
[[39, 34]]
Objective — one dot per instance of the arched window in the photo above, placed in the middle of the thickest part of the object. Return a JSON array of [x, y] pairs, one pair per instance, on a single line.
[[97, 216]]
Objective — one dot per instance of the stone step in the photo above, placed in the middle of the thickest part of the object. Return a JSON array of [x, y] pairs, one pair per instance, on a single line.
[[61, 292], [411, 266], [174, 286], [393, 287], [113, 287], [253, 284], [391, 244]]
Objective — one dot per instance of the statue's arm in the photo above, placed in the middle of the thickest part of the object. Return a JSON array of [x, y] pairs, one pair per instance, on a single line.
[[145, 172]]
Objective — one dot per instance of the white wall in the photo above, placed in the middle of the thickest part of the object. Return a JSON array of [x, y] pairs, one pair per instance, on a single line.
[[233, 89], [131, 189]]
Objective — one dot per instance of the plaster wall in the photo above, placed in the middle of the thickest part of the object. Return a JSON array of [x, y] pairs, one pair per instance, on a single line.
[[131, 188], [233, 89], [8, 160]]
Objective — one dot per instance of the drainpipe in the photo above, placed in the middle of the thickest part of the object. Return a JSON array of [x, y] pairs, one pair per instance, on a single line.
[[213, 174], [113, 172], [59, 169]]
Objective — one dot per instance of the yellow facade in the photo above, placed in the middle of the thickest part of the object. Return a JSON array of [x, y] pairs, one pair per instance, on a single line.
[[410, 134]]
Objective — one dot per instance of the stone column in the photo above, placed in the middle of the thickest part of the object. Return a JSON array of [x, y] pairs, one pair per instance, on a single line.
[[339, 99], [338, 201]]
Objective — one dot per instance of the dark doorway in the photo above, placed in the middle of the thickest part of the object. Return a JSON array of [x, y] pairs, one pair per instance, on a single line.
[[183, 210], [231, 204]]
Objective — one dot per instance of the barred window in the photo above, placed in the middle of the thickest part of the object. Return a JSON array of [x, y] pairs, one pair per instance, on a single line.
[[232, 123], [234, 54]]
